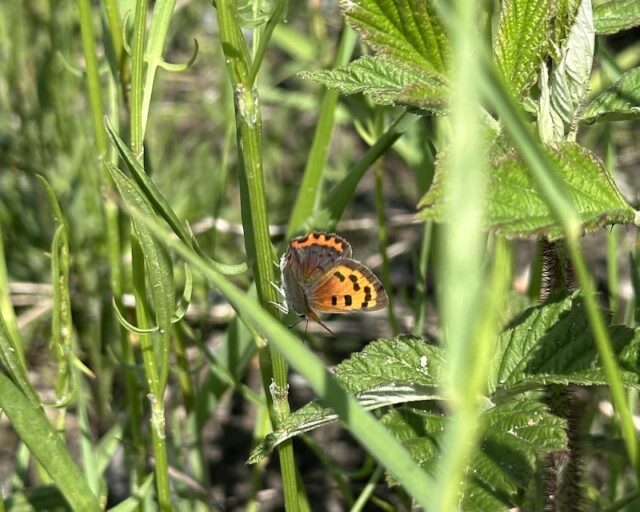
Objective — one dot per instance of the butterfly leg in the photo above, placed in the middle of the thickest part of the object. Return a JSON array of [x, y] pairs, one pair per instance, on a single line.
[[279, 289], [280, 307]]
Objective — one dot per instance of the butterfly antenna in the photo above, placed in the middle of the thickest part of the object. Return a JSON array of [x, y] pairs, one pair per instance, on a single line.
[[329, 330], [315, 318]]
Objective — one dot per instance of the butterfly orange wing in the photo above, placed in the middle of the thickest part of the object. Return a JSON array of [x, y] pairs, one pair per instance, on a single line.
[[327, 240], [347, 286]]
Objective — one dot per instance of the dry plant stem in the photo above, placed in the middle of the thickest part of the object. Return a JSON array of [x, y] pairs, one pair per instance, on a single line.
[[255, 222]]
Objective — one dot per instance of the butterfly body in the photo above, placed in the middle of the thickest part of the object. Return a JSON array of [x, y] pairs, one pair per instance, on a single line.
[[320, 276]]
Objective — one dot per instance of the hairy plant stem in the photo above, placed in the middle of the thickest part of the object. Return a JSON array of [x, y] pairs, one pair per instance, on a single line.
[[563, 469]]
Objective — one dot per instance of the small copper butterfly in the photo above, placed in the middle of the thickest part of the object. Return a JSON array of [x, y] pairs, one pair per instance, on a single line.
[[319, 276]]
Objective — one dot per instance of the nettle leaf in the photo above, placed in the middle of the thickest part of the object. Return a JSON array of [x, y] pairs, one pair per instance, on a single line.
[[515, 207], [618, 102], [411, 55], [387, 372], [514, 435], [407, 31], [522, 41], [616, 16], [553, 344], [386, 82], [567, 84]]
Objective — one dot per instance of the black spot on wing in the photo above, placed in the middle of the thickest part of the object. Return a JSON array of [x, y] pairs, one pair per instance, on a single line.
[[347, 300]]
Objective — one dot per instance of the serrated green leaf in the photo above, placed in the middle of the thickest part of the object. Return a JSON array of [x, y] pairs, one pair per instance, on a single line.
[[618, 102], [405, 359], [569, 78], [386, 82], [515, 208], [408, 31], [523, 37], [616, 16], [515, 434], [553, 343], [387, 372]]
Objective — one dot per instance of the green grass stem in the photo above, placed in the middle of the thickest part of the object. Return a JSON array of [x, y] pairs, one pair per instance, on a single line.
[[255, 223], [154, 380]]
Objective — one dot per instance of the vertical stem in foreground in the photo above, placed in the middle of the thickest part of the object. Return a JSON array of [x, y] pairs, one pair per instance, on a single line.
[[155, 375], [469, 305], [255, 222]]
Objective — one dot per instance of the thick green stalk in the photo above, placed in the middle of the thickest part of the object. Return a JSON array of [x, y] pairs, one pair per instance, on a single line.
[[255, 222]]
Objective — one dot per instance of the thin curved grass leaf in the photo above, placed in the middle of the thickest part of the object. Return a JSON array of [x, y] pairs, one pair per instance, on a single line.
[[522, 41], [46, 445], [408, 31], [161, 206], [387, 372], [616, 16], [157, 261], [515, 207], [553, 343], [618, 102], [514, 434], [14, 365], [387, 82]]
